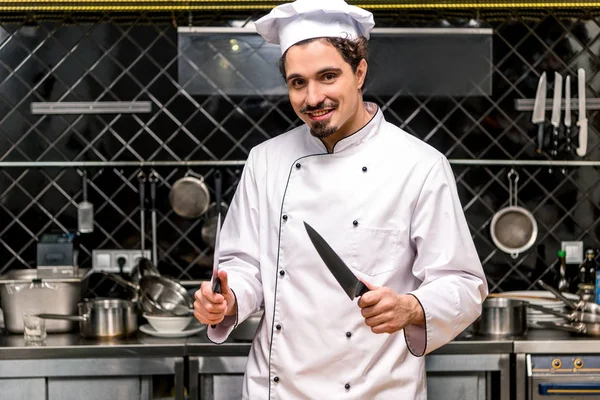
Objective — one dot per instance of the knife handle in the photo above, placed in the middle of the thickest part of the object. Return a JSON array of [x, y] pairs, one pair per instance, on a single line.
[[568, 139], [554, 150], [583, 131], [216, 288], [361, 289], [540, 138]]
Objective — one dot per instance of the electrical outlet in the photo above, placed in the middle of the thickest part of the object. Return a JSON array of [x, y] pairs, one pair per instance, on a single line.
[[574, 252], [109, 260]]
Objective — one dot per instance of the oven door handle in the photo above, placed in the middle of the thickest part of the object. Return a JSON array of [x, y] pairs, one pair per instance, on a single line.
[[569, 389]]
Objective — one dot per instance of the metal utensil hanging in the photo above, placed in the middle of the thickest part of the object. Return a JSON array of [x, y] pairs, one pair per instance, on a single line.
[[142, 191], [85, 211], [189, 196], [513, 228], [209, 228], [152, 179]]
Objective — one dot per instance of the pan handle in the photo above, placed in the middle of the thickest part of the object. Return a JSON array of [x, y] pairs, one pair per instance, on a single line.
[[550, 311], [75, 318], [121, 281], [558, 294], [576, 328]]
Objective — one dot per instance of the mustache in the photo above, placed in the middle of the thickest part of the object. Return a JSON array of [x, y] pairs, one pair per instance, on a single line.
[[319, 107]]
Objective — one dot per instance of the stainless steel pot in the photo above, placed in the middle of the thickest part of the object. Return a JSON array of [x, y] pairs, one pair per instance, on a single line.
[[22, 290], [502, 317], [102, 318]]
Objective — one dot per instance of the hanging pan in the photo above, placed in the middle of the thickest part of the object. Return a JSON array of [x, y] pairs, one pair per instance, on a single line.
[[189, 196], [513, 229]]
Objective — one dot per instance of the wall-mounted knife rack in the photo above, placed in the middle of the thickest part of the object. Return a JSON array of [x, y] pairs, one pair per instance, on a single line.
[[591, 103], [240, 163]]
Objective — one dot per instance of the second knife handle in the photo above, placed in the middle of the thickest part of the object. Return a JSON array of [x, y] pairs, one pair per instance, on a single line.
[[361, 289], [540, 138], [568, 140], [216, 288], [554, 149]]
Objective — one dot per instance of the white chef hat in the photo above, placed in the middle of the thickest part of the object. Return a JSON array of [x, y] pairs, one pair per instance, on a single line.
[[290, 23]]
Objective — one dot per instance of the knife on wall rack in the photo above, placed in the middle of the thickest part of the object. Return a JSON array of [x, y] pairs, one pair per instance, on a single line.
[[568, 115], [555, 117], [539, 112], [582, 123]]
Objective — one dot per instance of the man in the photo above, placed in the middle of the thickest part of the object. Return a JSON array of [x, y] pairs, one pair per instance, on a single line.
[[385, 201]]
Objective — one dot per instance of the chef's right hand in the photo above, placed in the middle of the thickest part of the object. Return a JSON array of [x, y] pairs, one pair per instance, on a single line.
[[211, 308]]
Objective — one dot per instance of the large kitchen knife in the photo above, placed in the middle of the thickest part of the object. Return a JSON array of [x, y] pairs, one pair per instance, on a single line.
[[539, 111], [556, 111], [215, 280], [582, 122], [568, 114], [347, 280]]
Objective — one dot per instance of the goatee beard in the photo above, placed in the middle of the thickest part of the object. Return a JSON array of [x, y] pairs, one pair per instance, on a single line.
[[321, 130]]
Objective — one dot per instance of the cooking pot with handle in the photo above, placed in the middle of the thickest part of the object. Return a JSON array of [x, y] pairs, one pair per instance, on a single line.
[[102, 318]]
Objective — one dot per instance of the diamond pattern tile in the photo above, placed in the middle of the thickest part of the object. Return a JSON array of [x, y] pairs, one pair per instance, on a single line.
[[125, 58]]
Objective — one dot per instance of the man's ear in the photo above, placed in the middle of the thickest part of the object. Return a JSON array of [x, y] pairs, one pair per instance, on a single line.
[[361, 73]]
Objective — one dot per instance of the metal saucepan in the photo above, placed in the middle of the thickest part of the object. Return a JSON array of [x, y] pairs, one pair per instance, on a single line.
[[159, 295], [575, 316], [502, 317], [513, 228], [189, 196], [209, 228], [102, 318], [583, 328], [574, 305]]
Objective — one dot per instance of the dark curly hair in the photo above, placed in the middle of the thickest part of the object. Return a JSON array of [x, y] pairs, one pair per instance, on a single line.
[[352, 51]]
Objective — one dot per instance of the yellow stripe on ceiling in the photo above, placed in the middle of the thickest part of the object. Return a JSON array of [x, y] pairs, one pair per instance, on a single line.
[[215, 5]]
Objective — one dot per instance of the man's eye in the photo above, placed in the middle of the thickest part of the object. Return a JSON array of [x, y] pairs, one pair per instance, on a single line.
[[329, 77], [297, 83]]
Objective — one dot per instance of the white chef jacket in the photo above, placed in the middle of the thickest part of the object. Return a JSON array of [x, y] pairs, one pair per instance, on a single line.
[[387, 203]]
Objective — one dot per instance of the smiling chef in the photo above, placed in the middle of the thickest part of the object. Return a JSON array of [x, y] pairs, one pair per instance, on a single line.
[[383, 200]]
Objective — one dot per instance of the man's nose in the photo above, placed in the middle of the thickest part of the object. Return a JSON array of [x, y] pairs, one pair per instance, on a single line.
[[314, 95]]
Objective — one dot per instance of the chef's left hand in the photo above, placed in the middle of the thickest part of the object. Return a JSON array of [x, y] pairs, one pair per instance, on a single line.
[[386, 311]]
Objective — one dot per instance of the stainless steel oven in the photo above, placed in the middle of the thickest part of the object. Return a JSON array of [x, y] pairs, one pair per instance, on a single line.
[[563, 377]]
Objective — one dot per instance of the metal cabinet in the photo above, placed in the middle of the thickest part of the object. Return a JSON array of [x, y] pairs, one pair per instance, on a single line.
[[23, 388], [449, 377], [88, 378]]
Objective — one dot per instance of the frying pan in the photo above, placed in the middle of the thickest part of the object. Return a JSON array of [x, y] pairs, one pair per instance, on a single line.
[[575, 305], [575, 316], [584, 328], [189, 196]]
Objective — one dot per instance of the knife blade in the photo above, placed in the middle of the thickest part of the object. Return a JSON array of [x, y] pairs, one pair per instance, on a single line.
[[568, 114], [556, 109], [215, 280], [539, 110], [343, 275], [582, 123]]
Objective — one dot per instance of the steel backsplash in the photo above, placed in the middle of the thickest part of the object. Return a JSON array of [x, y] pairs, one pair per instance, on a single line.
[[126, 57]]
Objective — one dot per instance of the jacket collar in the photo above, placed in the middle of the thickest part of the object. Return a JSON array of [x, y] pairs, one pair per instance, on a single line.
[[360, 136]]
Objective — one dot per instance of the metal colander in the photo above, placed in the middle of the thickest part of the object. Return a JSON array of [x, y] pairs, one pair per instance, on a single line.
[[513, 229]]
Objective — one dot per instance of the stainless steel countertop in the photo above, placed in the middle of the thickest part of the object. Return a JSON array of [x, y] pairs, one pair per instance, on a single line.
[[72, 345]]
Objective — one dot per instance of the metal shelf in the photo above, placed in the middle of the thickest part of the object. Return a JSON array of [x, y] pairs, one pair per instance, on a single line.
[[239, 163], [118, 164], [91, 107], [591, 103]]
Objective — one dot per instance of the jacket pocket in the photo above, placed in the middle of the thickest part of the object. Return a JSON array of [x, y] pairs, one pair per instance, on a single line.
[[374, 250]]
